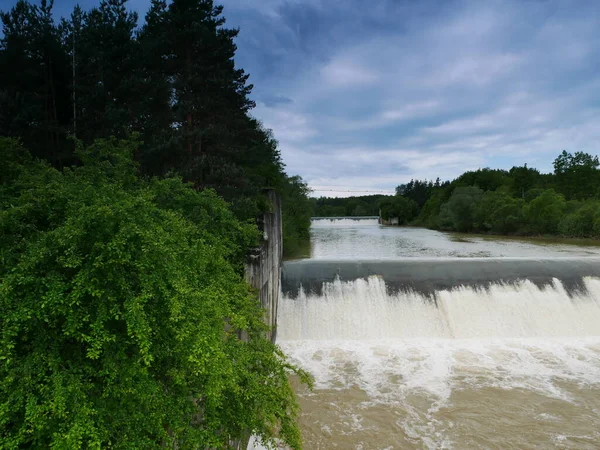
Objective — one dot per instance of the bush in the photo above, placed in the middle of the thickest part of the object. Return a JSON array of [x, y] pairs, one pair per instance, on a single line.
[[399, 207], [581, 223], [498, 212], [544, 212], [457, 212], [121, 313]]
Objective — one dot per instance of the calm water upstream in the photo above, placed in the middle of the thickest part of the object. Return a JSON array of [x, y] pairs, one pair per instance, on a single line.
[[511, 366]]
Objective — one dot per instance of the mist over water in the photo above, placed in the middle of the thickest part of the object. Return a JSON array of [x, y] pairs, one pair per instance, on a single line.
[[511, 366]]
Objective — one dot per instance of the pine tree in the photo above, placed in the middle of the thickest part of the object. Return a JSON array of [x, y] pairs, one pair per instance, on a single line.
[[105, 71], [34, 100]]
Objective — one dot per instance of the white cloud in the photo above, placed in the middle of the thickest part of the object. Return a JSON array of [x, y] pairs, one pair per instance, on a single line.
[[424, 89]]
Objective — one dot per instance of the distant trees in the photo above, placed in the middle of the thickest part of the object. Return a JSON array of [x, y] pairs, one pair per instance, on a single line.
[[367, 205], [577, 175], [543, 213], [458, 212], [498, 212], [518, 201], [296, 220], [521, 200], [398, 207]]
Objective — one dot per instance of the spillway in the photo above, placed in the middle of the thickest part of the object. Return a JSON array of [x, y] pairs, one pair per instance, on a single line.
[[430, 347], [450, 299]]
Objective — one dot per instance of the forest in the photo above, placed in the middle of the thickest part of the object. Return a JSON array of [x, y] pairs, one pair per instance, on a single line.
[[133, 176], [171, 80], [521, 201]]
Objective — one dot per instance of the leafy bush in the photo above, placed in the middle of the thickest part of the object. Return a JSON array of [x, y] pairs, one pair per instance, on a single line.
[[122, 309], [457, 213], [498, 212], [544, 212], [581, 222], [398, 207]]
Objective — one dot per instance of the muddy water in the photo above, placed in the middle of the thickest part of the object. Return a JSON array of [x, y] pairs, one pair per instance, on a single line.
[[364, 239], [509, 367]]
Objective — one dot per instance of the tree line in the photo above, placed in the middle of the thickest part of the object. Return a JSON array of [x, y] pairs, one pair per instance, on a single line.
[[172, 80], [521, 200]]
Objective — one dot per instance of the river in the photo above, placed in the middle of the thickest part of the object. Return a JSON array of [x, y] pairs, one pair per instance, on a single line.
[[512, 365]]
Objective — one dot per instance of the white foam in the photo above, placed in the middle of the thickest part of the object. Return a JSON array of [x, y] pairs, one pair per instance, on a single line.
[[390, 370], [362, 310], [398, 348], [324, 222]]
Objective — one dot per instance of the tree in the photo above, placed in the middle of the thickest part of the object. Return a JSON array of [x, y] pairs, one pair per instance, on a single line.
[[581, 222], [34, 98], [296, 215], [486, 179], [457, 213], [544, 212], [106, 63], [429, 214], [398, 207], [498, 212], [577, 175], [417, 190], [174, 81], [523, 179], [122, 307]]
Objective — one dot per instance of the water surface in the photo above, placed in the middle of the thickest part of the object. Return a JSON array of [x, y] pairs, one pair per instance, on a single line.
[[509, 366], [365, 239]]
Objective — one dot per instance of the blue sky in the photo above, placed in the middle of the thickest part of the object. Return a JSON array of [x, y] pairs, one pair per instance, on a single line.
[[363, 96]]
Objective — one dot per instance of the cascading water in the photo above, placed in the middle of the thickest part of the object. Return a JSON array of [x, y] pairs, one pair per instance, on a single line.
[[448, 353], [363, 310]]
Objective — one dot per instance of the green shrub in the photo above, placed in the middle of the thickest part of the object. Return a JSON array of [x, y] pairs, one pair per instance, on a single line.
[[121, 312], [544, 212]]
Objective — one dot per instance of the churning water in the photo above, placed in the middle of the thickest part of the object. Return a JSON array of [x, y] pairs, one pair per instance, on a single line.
[[505, 365]]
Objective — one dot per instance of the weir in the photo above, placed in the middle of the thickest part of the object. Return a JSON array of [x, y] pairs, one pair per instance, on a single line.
[[417, 339], [428, 276], [442, 298]]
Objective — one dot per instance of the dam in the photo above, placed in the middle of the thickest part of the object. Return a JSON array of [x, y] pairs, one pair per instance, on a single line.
[[419, 339]]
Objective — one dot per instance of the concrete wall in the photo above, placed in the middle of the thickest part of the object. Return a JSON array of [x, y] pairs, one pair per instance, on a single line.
[[263, 270], [392, 221], [263, 273]]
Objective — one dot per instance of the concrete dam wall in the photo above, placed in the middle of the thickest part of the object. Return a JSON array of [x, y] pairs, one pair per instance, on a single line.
[[428, 276], [441, 299], [263, 269]]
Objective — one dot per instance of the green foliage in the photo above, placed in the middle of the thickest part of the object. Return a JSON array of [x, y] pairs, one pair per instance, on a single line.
[[498, 212], [429, 215], [582, 221], [399, 207], [417, 190], [173, 79], [543, 213], [486, 179], [458, 212], [296, 215], [577, 175], [367, 205], [522, 180], [122, 310], [34, 80]]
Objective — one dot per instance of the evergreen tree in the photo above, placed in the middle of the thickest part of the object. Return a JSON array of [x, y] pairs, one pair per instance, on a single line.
[[34, 99], [105, 69]]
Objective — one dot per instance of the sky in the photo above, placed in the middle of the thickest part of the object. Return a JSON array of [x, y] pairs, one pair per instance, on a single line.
[[363, 96]]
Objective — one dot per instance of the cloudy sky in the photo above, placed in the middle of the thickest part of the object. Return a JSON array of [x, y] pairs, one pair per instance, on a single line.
[[363, 95]]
